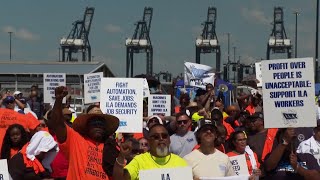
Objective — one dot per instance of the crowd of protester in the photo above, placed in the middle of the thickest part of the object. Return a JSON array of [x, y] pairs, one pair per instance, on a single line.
[[41, 142]]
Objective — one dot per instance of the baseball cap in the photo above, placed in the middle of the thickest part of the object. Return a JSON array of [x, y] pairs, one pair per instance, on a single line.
[[256, 115], [17, 93], [8, 99], [205, 122], [155, 117]]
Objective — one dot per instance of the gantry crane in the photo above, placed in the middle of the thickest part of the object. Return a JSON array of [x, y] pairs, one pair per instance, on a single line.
[[78, 38], [278, 42], [141, 43], [208, 41]]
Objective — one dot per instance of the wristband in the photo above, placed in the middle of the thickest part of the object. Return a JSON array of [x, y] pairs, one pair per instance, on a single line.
[[124, 164]]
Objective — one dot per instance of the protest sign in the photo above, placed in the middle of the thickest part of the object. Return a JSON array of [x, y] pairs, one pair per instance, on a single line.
[[146, 91], [197, 75], [92, 84], [50, 82], [159, 105], [184, 173], [123, 98], [4, 173], [258, 73], [242, 177], [288, 93], [239, 164]]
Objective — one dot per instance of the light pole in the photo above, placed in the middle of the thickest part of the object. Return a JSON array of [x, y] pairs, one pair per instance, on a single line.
[[59, 54], [234, 61], [228, 63], [10, 33], [317, 33], [296, 36]]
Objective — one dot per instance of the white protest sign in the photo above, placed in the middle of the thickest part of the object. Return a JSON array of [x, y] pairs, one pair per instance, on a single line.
[[146, 91], [258, 74], [159, 105], [239, 164], [288, 93], [50, 82], [4, 172], [123, 98], [92, 84], [184, 173], [242, 177], [198, 75]]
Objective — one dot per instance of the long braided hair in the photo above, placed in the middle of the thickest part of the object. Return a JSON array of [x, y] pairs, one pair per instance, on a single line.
[[7, 143]]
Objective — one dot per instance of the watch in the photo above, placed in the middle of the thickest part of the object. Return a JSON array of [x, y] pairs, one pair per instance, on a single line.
[[284, 142]]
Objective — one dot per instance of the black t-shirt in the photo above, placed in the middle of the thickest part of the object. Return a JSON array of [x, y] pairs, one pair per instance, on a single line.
[[256, 143], [284, 170], [19, 171], [303, 133]]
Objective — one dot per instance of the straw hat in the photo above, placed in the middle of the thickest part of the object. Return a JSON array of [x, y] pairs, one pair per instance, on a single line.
[[80, 124]]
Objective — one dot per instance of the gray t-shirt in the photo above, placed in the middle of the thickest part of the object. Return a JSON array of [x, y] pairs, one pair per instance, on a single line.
[[182, 145]]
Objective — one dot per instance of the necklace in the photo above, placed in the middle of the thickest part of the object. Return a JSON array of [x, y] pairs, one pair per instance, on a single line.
[[162, 164]]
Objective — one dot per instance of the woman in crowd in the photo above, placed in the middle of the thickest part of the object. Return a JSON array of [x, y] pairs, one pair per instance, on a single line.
[[34, 159], [14, 139], [238, 145], [144, 145]]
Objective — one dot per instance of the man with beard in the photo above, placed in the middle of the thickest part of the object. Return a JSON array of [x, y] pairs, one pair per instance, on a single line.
[[158, 157], [207, 161]]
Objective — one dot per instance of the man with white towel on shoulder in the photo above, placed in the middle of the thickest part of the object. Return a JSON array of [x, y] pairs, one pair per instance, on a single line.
[[312, 145]]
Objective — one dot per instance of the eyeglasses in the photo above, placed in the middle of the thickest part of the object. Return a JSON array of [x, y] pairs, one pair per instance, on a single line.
[[182, 122], [43, 125], [159, 136], [144, 144]]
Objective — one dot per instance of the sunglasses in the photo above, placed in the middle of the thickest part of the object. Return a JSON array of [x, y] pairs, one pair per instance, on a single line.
[[159, 136], [205, 129], [182, 122]]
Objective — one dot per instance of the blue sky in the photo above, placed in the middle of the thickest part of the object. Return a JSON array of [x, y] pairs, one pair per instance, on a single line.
[[38, 26]]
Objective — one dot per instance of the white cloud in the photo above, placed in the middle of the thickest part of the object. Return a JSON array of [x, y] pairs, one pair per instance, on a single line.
[[255, 15], [21, 33], [111, 28]]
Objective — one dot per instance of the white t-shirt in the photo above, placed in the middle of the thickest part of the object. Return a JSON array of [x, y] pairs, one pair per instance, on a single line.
[[212, 165], [310, 146]]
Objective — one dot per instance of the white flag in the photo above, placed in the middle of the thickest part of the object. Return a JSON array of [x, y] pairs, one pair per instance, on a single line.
[[198, 75]]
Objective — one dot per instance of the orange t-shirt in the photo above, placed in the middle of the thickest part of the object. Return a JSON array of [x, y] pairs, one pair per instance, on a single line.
[[85, 157], [250, 109], [232, 153], [9, 117], [229, 128], [13, 151]]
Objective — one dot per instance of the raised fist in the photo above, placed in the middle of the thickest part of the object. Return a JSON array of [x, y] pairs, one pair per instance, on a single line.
[[125, 149], [61, 92]]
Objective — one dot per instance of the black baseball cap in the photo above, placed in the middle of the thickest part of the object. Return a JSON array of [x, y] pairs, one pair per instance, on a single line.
[[206, 122]]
